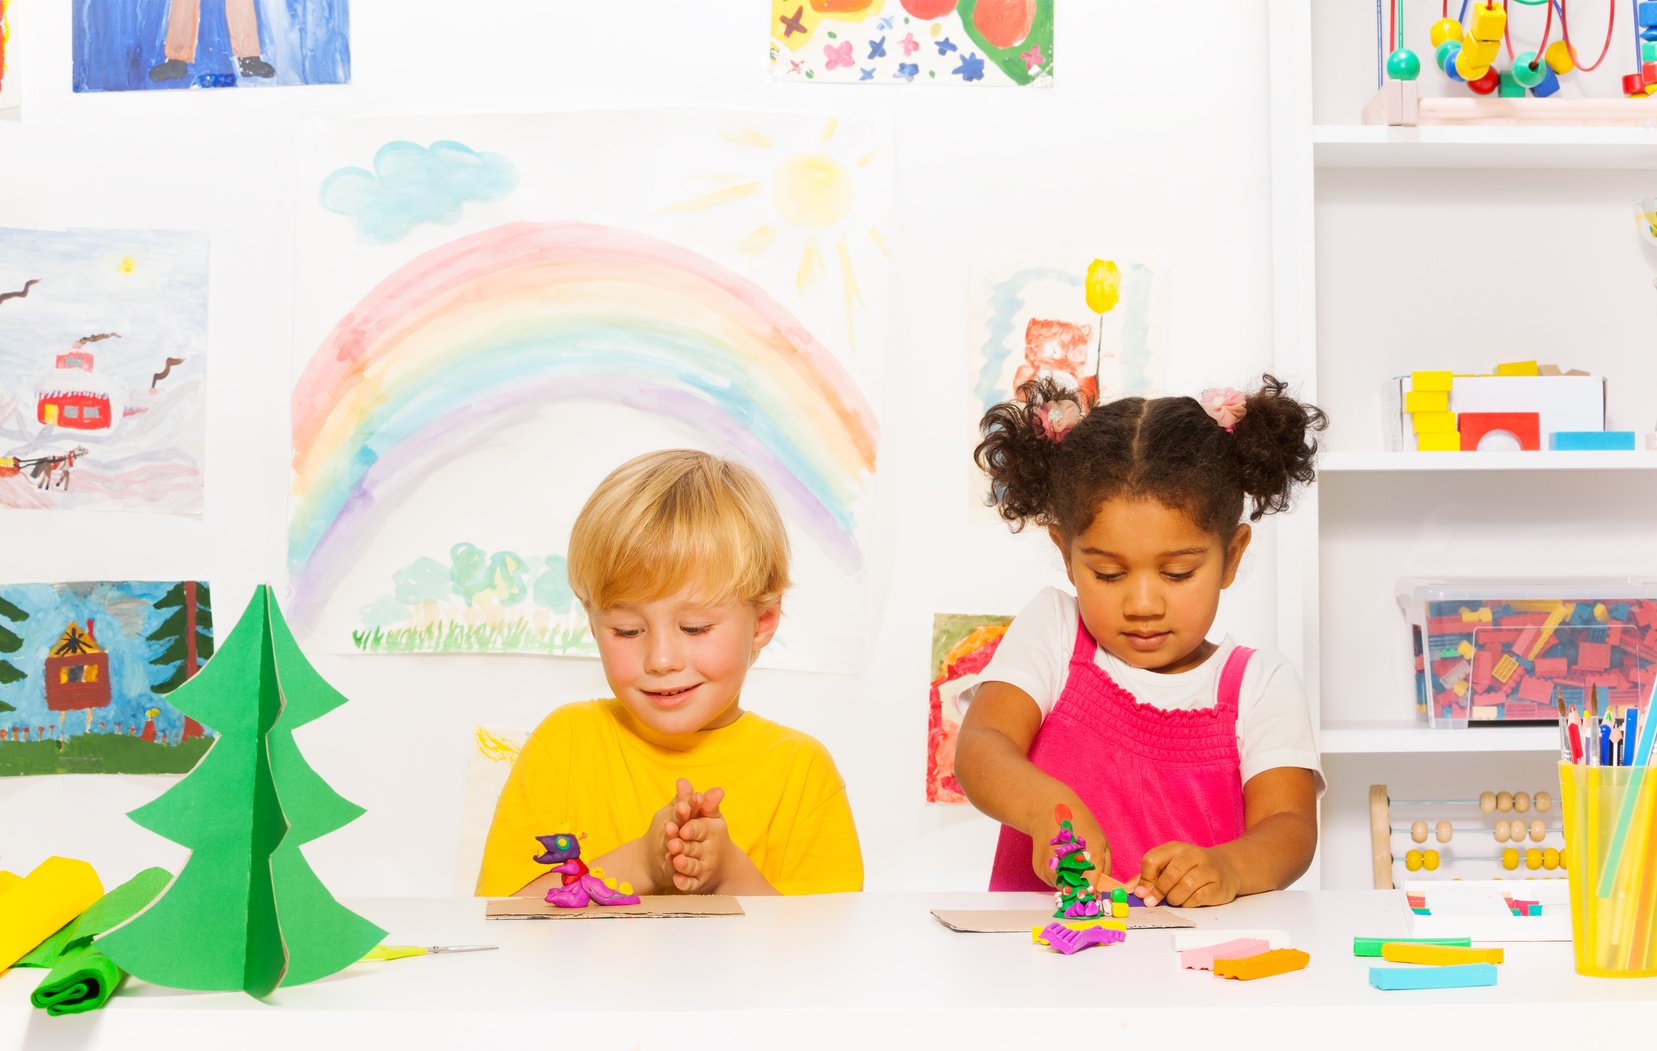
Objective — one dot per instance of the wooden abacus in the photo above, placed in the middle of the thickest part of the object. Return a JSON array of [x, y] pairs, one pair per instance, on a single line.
[[1494, 807]]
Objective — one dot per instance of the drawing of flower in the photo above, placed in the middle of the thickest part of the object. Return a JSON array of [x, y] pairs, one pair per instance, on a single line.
[[971, 68], [837, 55]]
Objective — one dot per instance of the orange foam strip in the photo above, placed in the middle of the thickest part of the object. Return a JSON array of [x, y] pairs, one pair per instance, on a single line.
[[1266, 964], [1437, 955]]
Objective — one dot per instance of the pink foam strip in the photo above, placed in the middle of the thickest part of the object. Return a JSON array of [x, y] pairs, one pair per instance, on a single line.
[[1203, 959]]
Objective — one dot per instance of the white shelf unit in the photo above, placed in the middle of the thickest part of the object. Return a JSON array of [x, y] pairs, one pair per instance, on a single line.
[[1441, 248]]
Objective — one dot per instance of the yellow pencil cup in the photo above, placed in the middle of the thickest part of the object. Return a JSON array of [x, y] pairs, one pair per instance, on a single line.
[[1610, 817]]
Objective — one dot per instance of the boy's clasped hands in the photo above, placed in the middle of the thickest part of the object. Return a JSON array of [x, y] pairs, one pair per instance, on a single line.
[[689, 848]]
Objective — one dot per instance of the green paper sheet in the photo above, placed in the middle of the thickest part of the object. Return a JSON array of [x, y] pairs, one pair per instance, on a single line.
[[83, 980], [111, 910], [247, 912]]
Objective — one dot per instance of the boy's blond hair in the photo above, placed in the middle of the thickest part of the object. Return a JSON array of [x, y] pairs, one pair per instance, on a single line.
[[674, 519]]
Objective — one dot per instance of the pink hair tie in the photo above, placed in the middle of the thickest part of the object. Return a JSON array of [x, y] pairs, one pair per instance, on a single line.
[[1225, 405], [1058, 418]]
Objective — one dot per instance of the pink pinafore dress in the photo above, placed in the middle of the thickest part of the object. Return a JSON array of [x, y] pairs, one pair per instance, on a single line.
[[1150, 776]]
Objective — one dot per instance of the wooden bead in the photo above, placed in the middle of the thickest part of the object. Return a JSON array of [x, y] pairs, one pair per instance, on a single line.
[[1444, 29], [1470, 67], [1412, 861], [1504, 801], [1521, 802], [1549, 85], [1487, 801], [1562, 852], [1516, 830], [1633, 84], [1429, 860], [1507, 87], [1538, 831], [1418, 831], [1445, 56], [1501, 831], [1403, 65], [1558, 57], [1550, 859], [1510, 859], [1528, 70], [1543, 801], [1489, 21], [1444, 831], [1533, 858]]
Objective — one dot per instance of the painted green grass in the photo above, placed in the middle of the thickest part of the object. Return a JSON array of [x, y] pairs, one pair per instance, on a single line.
[[100, 754], [452, 637]]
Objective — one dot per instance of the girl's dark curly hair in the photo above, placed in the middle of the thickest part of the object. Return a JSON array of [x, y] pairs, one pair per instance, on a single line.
[[1165, 449]]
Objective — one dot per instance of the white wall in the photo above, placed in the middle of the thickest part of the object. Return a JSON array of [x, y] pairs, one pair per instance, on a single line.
[[1146, 147]]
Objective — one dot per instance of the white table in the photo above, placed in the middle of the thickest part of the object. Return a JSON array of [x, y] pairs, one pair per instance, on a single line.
[[848, 971]]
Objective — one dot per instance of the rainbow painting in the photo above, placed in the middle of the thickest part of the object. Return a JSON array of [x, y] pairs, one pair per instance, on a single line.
[[473, 334], [485, 330]]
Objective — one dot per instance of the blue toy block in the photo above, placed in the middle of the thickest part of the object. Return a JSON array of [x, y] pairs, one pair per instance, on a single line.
[[1549, 85], [1583, 614], [1592, 440], [1620, 612], [1452, 976]]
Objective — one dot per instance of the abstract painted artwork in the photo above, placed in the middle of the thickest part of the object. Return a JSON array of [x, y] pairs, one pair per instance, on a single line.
[[85, 670], [1097, 325], [103, 348], [9, 91], [142, 45], [962, 643], [998, 42], [488, 330]]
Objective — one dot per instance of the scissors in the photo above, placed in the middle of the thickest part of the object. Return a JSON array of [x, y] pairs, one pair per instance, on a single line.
[[398, 952]]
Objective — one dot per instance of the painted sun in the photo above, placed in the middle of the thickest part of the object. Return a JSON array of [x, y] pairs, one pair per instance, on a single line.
[[801, 201]]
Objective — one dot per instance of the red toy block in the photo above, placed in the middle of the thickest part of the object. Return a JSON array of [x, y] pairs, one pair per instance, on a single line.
[[1645, 614], [1483, 662], [1524, 620], [1534, 690], [1525, 426], [1550, 667], [1593, 656]]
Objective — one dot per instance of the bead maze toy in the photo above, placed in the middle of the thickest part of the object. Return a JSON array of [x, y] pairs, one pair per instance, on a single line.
[[581, 886], [1468, 49], [1489, 814]]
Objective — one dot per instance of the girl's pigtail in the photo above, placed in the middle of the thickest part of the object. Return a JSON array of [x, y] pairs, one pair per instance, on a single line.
[[1020, 443], [1276, 446]]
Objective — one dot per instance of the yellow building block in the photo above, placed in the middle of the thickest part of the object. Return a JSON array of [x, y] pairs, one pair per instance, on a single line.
[[1077, 925], [1466, 650], [1437, 955], [1475, 616], [1119, 909], [1504, 668], [1427, 401], [1435, 380], [1438, 442], [1433, 422], [1518, 368]]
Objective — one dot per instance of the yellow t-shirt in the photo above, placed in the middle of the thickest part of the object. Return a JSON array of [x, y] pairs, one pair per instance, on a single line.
[[591, 767]]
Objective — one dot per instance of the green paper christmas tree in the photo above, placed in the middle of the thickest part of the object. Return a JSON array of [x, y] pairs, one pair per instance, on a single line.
[[246, 912]]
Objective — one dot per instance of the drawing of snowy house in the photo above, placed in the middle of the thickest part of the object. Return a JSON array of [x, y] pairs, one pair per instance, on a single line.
[[74, 396]]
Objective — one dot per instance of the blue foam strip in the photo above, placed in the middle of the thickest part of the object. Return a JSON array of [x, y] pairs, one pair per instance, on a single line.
[[1596, 440], [1454, 976]]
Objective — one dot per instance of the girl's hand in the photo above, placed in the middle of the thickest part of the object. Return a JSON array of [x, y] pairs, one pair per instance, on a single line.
[[1187, 875], [1098, 849]]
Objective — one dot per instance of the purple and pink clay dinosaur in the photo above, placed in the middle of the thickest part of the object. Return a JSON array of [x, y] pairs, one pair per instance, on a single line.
[[580, 887]]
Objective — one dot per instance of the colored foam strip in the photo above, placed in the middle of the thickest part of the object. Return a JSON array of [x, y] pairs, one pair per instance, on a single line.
[[1460, 976], [1036, 933], [1068, 941], [1437, 955], [1372, 946], [1594, 441], [1203, 959], [1264, 965], [57, 891]]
